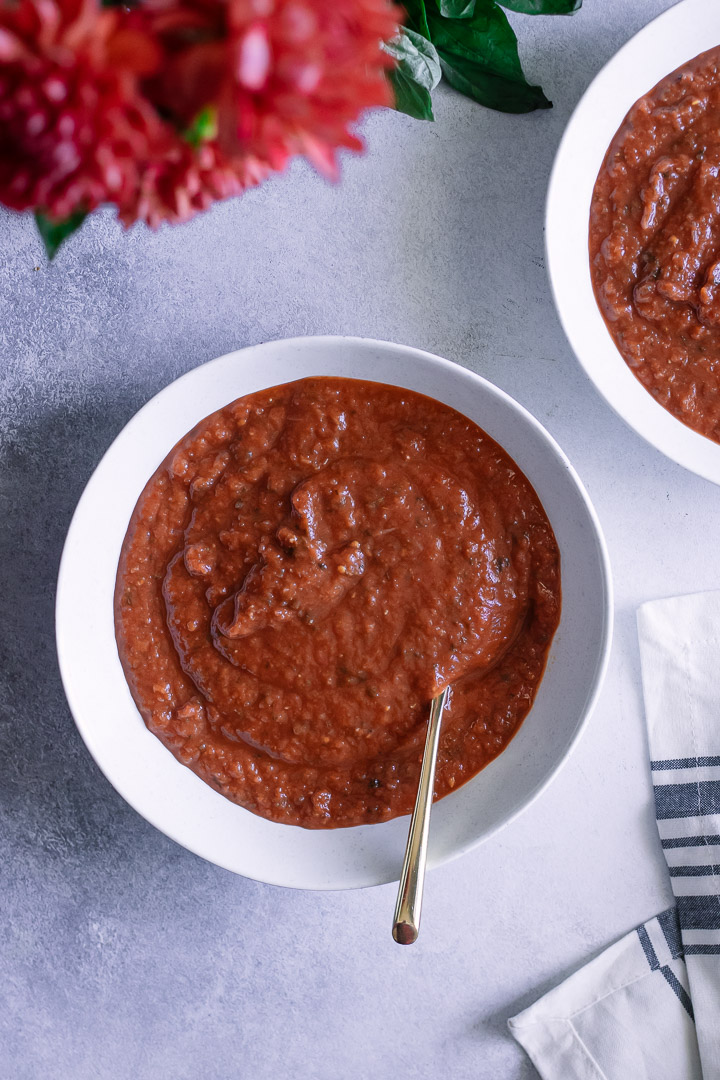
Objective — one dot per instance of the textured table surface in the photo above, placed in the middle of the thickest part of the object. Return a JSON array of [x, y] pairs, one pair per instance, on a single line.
[[124, 957]]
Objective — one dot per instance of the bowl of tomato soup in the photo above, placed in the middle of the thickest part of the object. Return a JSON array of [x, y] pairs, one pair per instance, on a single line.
[[633, 220], [280, 561]]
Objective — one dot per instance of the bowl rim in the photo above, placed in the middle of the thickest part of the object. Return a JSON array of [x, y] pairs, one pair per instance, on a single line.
[[655, 424], [595, 682]]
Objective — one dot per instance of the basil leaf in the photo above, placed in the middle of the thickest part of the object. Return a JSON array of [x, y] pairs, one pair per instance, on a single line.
[[417, 73], [417, 17], [487, 38], [492, 90], [54, 232], [542, 7], [417, 56], [479, 57], [410, 97], [456, 9]]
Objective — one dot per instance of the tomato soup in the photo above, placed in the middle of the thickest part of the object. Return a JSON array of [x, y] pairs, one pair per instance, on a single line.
[[655, 242], [304, 572]]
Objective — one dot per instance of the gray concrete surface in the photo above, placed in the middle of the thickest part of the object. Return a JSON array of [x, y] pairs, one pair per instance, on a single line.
[[122, 956]]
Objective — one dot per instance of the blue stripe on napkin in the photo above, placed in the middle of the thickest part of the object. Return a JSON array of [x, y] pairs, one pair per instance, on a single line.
[[699, 913], [687, 800], [683, 763], [670, 926], [690, 841], [650, 954], [677, 987], [668, 922], [694, 871]]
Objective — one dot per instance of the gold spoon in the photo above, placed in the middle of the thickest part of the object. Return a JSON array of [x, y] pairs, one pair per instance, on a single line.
[[406, 923]]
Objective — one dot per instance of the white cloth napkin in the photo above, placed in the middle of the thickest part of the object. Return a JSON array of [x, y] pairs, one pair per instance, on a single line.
[[648, 1008]]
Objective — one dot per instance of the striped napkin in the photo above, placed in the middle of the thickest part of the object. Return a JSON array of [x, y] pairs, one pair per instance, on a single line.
[[649, 1006]]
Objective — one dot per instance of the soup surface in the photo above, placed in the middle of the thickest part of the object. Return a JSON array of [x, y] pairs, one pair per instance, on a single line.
[[655, 242], [310, 566]]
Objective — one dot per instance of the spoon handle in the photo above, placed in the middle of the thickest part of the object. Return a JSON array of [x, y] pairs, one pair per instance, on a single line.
[[412, 878]]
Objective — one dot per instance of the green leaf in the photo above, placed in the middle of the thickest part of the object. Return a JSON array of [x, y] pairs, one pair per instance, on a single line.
[[416, 17], [417, 56], [54, 232], [456, 9], [479, 57], [542, 7], [410, 97], [492, 90], [417, 73], [204, 126]]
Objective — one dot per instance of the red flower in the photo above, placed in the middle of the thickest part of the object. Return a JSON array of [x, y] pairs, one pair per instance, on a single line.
[[74, 129], [288, 76], [185, 181], [102, 105], [283, 77]]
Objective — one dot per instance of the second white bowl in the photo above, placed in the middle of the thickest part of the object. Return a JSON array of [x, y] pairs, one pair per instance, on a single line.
[[672, 39]]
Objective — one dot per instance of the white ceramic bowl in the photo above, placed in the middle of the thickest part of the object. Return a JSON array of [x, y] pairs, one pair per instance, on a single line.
[[169, 795], [672, 39]]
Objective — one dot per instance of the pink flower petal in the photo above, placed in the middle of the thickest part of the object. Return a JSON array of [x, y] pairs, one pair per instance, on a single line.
[[254, 55]]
